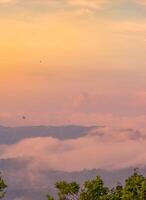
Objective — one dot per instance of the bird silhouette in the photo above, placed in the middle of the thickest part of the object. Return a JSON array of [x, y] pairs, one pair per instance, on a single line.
[[24, 117]]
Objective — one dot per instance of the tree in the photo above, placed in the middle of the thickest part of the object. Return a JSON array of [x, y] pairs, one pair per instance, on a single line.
[[135, 187], [50, 197], [116, 193], [3, 187], [143, 190], [94, 190], [67, 191]]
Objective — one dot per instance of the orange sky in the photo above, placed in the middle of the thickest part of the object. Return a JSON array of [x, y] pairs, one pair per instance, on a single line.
[[71, 58]]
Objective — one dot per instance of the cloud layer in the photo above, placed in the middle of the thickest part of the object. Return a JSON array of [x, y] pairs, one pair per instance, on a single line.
[[106, 148]]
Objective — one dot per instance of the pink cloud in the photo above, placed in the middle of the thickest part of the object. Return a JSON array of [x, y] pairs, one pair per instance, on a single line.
[[106, 148], [87, 4], [141, 99], [141, 2]]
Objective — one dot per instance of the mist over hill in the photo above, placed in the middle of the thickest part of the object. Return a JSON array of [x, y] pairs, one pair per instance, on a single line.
[[32, 159], [27, 186]]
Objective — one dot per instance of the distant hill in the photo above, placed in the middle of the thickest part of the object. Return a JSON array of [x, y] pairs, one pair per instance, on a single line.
[[11, 135], [24, 187], [28, 183]]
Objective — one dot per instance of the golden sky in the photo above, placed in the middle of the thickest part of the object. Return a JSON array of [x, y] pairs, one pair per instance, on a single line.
[[66, 58]]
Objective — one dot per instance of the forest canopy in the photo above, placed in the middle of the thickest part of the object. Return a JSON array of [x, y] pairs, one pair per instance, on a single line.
[[134, 188]]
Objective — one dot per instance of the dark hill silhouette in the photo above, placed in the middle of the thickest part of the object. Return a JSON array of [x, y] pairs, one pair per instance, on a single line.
[[12, 135]]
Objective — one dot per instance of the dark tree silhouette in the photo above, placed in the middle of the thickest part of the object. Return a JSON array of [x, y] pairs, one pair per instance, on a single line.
[[3, 187]]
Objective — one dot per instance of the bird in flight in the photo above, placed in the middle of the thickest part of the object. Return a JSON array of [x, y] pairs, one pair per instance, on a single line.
[[24, 117]]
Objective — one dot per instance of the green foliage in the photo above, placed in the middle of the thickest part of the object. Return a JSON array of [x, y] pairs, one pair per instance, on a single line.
[[133, 189], [94, 190], [116, 193], [3, 186], [67, 190], [49, 197]]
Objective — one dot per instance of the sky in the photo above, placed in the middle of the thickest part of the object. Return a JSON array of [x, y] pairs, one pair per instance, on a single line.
[[78, 62], [72, 62]]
